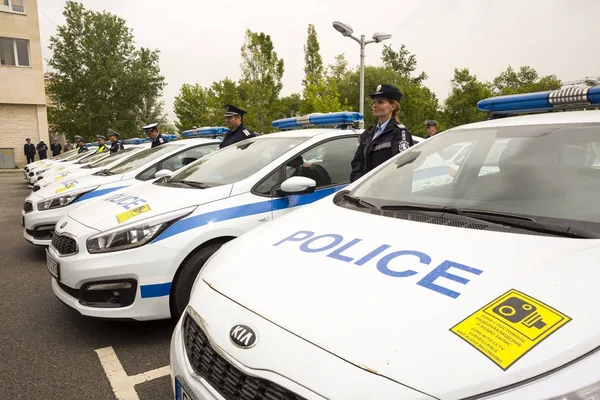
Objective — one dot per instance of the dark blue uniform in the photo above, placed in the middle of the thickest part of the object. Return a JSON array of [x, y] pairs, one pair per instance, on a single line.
[[42, 149], [82, 149], [116, 146], [237, 135], [29, 150], [159, 140]]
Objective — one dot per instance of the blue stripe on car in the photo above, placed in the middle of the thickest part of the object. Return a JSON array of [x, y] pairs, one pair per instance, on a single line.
[[97, 193], [245, 210], [156, 290]]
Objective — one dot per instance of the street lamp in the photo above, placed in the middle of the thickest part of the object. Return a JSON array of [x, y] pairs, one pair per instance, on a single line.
[[347, 31]]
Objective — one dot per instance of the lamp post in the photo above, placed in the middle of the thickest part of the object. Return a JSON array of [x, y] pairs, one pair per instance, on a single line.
[[347, 31]]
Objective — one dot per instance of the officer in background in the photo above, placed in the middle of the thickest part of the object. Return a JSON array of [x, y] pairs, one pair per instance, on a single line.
[[115, 143], [235, 122], [55, 147], [42, 149], [81, 147], [431, 127], [152, 132], [384, 140], [29, 150], [101, 143]]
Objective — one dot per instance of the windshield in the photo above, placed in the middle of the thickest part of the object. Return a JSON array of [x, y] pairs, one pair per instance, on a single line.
[[92, 159], [237, 161], [78, 156], [548, 171], [64, 155], [113, 157], [142, 158]]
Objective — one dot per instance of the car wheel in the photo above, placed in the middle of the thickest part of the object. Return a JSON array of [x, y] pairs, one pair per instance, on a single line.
[[180, 295]]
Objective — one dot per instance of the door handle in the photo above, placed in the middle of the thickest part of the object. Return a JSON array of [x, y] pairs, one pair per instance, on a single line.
[[263, 219]]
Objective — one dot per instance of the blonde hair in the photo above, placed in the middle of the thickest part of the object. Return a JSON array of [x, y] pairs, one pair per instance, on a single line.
[[396, 105]]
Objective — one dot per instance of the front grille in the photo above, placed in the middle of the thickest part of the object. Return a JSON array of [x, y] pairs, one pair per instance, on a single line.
[[64, 244], [28, 207], [230, 382]]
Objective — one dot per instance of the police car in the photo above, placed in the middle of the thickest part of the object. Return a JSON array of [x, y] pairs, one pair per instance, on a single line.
[[43, 209], [484, 287], [89, 166], [32, 170], [135, 253], [65, 170]]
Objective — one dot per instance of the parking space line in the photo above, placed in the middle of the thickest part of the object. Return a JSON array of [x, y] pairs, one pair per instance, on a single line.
[[123, 385]]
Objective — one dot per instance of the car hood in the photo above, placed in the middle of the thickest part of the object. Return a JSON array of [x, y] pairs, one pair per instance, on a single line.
[[418, 302], [78, 185], [113, 210], [67, 175]]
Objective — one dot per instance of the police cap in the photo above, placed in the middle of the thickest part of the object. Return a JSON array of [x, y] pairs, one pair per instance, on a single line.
[[230, 111], [388, 91], [430, 122], [112, 133], [98, 137], [79, 139], [150, 127]]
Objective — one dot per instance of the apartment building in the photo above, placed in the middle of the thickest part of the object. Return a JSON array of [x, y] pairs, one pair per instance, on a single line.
[[22, 94]]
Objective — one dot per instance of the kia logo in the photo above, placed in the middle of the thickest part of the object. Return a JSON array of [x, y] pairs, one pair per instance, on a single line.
[[242, 336], [63, 225]]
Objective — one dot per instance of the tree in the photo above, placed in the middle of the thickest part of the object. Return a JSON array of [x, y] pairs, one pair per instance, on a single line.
[[461, 105], [260, 85], [151, 111], [191, 107], [320, 92], [222, 93], [402, 62], [526, 80], [101, 79]]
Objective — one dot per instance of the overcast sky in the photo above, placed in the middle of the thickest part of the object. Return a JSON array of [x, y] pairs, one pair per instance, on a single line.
[[200, 40]]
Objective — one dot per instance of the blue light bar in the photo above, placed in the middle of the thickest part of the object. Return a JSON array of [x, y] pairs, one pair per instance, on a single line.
[[205, 131], [567, 98], [134, 141], [318, 119]]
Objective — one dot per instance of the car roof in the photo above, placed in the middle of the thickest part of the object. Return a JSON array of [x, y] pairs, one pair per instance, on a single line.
[[191, 141], [312, 132], [565, 117]]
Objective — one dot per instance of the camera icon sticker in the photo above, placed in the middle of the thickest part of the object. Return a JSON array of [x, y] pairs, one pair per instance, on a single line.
[[509, 327]]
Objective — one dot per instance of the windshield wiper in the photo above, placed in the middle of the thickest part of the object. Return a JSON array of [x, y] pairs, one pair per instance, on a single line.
[[198, 185], [507, 219], [104, 172], [357, 201]]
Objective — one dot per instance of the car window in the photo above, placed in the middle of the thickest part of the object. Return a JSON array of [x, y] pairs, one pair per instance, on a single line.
[[142, 158], [539, 171], [237, 161], [179, 160], [113, 157], [92, 159]]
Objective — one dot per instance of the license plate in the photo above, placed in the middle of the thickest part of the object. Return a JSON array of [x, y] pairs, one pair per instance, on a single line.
[[53, 266], [181, 393]]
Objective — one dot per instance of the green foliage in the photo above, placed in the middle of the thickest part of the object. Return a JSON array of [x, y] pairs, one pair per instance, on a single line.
[[101, 80], [526, 80], [461, 106], [260, 85], [191, 107], [402, 62]]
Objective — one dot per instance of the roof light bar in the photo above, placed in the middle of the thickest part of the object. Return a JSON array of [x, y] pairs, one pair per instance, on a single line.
[[573, 97], [205, 131], [134, 141], [318, 119]]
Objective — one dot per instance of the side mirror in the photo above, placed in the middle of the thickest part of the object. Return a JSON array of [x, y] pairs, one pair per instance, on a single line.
[[298, 185], [162, 173]]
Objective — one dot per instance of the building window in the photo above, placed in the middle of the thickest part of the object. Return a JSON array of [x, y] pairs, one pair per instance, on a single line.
[[14, 52], [17, 6]]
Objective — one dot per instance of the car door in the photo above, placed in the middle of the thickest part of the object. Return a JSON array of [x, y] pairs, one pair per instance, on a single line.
[[327, 162]]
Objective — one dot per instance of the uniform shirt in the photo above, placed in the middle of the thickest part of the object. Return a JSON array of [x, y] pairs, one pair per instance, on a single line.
[[237, 135], [116, 146], [29, 149], [380, 128], [159, 140], [82, 149]]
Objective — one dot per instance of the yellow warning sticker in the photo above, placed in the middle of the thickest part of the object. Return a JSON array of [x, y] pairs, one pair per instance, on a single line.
[[61, 176], [66, 187], [124, 216], [508, 327]]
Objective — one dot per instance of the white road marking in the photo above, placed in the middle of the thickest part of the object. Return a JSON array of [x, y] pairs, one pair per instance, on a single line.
[[123, 386]]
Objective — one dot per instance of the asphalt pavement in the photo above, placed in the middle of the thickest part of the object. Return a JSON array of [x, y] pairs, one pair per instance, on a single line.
[[47, 350]]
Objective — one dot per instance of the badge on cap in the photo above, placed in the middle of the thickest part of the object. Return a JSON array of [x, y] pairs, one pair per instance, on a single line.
[[378, 88]]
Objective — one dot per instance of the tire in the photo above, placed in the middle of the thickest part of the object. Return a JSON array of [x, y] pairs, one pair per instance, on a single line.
[[180, 295]]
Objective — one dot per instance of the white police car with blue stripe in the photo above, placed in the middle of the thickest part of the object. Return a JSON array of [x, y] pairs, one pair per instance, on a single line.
[[480, 287], [135, 253], [43, 208]]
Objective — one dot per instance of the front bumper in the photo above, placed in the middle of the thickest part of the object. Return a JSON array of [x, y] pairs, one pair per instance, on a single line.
[[37, 223], [148, 266], [279, 357]]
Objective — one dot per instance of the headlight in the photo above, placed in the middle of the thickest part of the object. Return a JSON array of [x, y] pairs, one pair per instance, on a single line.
[[61, 201], [591, 392], [135, 235], [42, 171]]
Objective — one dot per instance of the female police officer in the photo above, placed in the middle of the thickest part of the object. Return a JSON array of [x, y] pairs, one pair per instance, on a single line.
[[386, 139]]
